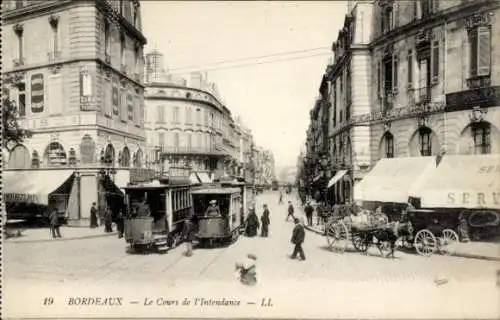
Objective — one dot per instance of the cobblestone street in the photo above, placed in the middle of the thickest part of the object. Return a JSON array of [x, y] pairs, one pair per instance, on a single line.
[[105, 258]]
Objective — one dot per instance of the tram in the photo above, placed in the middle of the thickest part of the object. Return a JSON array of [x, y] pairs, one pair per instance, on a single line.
[[218, 214], [156, 214]]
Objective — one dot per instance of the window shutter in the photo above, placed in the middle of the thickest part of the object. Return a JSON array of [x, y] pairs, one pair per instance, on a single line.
[[160, 114], [435, 62], [395, 64], [410, 69], [123, 111], [473, 54], [161, 139], [380, 79], [484, 51]]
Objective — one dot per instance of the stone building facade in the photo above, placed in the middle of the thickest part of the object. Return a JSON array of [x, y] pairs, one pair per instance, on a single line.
[[411, 79], [188, 126], [76, 82], [74, 69]]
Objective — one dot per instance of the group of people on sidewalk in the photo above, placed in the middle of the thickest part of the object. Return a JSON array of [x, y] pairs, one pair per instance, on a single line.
[[252, 224], [106, 218]]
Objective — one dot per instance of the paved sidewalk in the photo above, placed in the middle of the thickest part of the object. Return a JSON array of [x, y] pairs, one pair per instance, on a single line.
[[475, 250], [30, 235]]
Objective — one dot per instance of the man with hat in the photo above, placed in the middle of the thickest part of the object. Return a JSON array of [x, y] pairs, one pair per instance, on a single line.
[[298, 237], [266, 221], [248, 270], [309, 213], [213, 209], [290, 210], [188, 233]]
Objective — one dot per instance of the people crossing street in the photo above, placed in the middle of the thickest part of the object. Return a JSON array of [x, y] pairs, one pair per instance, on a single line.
[[291, 211], [298, 237]]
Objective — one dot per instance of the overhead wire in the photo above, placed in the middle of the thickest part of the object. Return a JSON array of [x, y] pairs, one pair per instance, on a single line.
[[249, 58], [248, 64]]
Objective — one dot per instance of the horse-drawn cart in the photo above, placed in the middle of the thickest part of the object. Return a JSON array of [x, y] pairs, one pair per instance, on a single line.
[[413, 232]]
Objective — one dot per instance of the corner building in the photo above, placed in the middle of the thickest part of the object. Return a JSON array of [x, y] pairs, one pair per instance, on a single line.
[[188, 126], [74, 71], [436, 66]]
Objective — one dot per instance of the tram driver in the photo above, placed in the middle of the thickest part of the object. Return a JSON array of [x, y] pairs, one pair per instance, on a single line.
[[213, 209]]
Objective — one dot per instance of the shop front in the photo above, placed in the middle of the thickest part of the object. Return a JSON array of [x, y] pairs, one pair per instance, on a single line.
[[391, 182], [466, 187], [29, 194]]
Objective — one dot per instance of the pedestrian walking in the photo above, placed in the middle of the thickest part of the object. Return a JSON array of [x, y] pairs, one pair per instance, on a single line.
[[93, 216], [188, 234], [281, 198], [248, 270], [54, 223], [309, 213], [266, 221], [298, 237], [252, 224], [108, 221], [290, 211], [102, 213], [120, 223]]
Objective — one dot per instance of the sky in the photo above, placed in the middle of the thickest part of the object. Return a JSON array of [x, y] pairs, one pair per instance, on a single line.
[[273, 99]]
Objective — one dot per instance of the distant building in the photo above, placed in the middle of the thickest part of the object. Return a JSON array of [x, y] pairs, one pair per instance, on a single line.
[[188, 126]]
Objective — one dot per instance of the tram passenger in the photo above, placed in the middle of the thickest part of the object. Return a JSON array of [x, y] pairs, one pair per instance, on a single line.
[[213, 209]]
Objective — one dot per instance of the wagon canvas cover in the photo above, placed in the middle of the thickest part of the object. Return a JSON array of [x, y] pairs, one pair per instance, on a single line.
[[463, 181], [392, 179]]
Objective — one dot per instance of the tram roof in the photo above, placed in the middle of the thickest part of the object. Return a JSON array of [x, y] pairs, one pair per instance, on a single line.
[[159, 185], [215, 190]]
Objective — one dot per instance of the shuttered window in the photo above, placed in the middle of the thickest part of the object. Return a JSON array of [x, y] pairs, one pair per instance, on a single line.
[[435, 62], [410, 69], [380, 82], [160, 114], [123, 105], [395, 64], [480, 51], [161, 139]]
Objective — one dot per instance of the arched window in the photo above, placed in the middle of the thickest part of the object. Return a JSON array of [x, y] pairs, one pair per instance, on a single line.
[[108, 157], [425, 141], [19, 158], [125, 157], [481, 134], [87, 150], [388, 141], [35, 160], [72, 157], [55, 155]]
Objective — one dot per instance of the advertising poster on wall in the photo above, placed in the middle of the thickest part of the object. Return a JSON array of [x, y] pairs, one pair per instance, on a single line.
[[37, 96]]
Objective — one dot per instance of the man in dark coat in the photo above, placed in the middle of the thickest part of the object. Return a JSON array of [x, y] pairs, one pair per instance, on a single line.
[[108, 221], [93, 216], [54, 223], [188, 234], [266, 221], [298, 237], [309, 213], [252, 225], [290, 211], [120, 222]]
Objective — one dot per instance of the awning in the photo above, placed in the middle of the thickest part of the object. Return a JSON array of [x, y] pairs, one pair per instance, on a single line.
[[336, 177], [392, 179], [462, 181], [35, 186]]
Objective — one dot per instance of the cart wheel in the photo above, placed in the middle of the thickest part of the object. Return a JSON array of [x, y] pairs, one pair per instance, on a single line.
[[359, 242], [449, 241], [330, 234], [337, 236], [425, 243]]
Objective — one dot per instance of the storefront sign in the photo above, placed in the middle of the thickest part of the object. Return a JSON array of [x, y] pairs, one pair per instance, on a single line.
[[467, 99], [37, 97], [481, 199], [21, 197]]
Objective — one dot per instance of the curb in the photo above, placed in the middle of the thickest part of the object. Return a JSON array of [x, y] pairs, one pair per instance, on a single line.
[[461, 255], [64, 239]]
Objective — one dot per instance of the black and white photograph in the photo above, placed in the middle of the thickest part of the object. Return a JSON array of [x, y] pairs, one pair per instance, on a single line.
[[250, 159]]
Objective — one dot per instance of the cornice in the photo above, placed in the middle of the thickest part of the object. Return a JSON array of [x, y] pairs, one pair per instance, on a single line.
[[39, 7], [437, 19], [174, 86]]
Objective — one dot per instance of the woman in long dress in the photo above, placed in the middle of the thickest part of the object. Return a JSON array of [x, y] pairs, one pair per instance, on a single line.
[[253, 224]]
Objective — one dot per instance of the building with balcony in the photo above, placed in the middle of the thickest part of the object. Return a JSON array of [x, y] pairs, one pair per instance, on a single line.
[[437, 73], [74, 71], [187, 125], [265, 171]]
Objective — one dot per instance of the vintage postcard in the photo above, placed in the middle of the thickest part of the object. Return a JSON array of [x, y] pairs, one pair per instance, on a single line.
[[250, 159]]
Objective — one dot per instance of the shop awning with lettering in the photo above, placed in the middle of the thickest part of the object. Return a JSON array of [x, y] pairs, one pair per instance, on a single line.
[[462, 181], [35, 186], [336, 178], [392, 179]]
